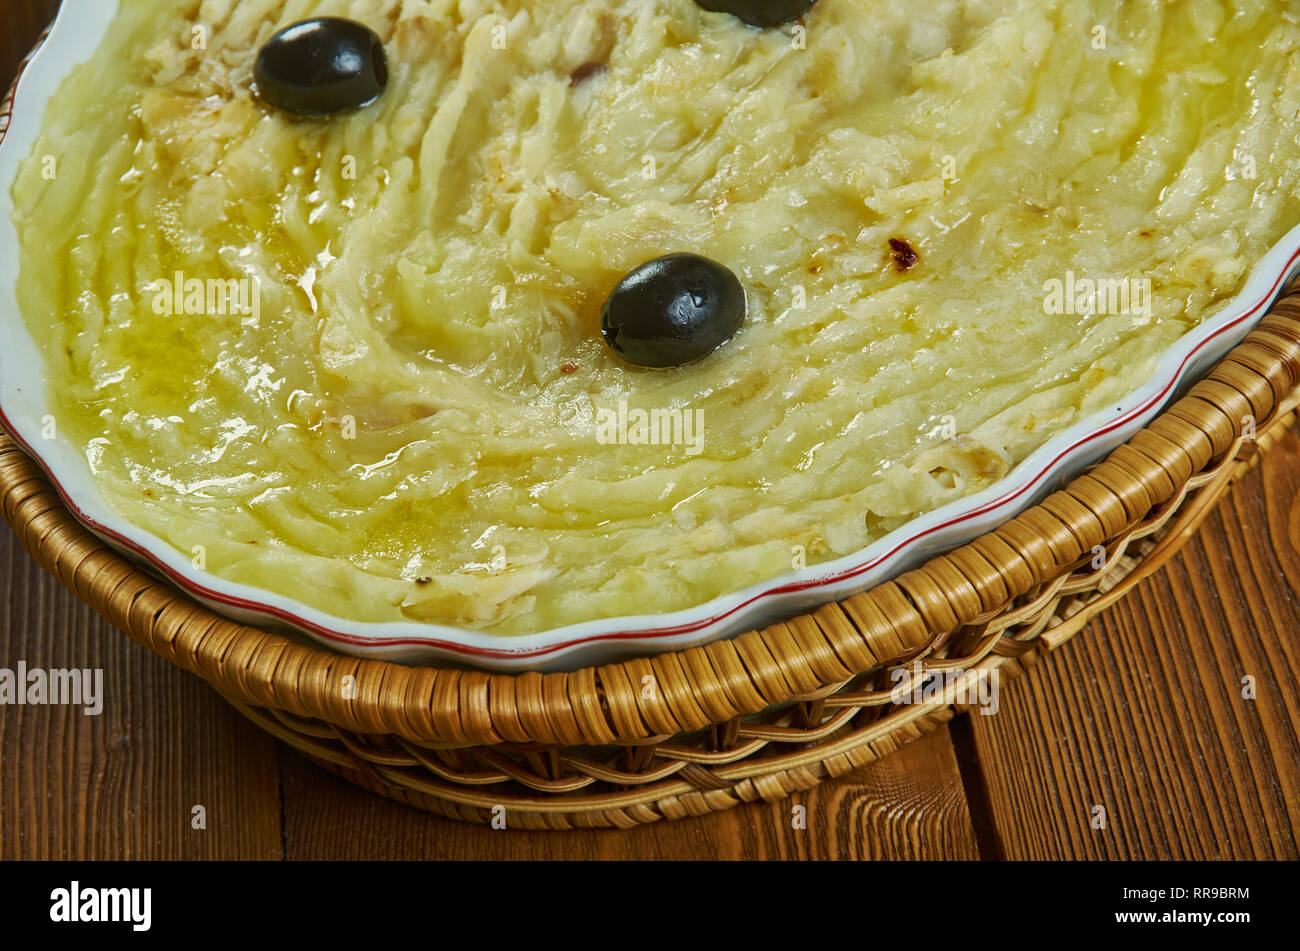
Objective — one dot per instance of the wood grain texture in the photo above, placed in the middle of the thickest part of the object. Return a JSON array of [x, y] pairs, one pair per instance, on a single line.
[[1144, 715], [20, 23], [121, 784]]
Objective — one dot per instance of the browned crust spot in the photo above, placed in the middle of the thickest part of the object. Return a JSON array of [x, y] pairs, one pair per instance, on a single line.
[[905, 257], [585, 72]]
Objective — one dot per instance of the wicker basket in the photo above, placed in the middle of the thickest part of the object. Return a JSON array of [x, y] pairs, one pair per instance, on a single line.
[[754, 717]]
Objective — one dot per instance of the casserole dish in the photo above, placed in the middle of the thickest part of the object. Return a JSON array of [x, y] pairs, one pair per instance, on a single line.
[[27, 411]]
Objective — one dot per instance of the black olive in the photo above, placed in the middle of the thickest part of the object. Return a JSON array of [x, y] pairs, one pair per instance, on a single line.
[[672, 311], [322, 66], [760, 12]]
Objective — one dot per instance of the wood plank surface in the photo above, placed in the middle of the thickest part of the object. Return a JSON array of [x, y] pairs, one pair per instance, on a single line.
[[124, 783], [1141, 713], [21, 23]]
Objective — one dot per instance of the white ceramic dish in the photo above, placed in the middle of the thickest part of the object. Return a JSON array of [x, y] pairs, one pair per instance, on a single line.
[[23, 405]]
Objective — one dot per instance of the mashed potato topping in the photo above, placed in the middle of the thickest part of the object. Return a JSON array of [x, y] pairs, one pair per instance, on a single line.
[[358, 361]]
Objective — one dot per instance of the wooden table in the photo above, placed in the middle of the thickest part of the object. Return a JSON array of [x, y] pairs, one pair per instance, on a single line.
[[1143, 714]]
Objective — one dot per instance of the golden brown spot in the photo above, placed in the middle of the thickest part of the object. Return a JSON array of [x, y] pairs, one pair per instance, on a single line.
[[417, 37], [569, 368], [905, 257], [585, 72]]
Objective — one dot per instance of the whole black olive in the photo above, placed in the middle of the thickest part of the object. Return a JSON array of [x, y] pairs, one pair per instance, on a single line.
[[760, 12], [322, 66], [672, 311]]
